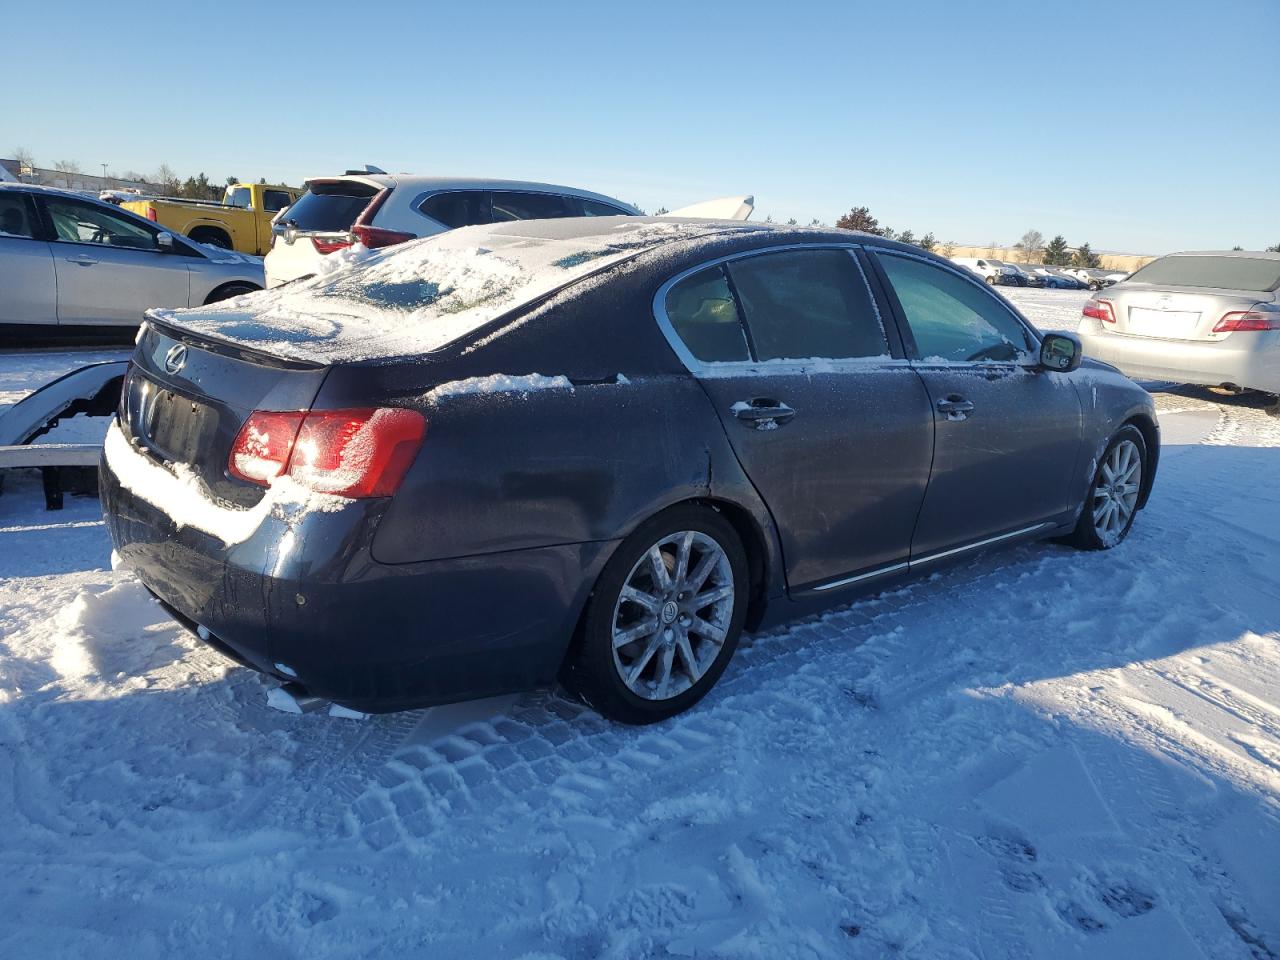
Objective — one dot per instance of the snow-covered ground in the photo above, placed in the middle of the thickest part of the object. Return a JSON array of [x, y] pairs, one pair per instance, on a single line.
[[1040, 753]]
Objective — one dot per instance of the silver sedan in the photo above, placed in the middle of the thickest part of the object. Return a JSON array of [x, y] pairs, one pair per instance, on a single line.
[[1208, 318], [67, 259]]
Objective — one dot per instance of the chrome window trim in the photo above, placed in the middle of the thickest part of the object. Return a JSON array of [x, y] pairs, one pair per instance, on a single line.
[[729, 368], [971, 279]]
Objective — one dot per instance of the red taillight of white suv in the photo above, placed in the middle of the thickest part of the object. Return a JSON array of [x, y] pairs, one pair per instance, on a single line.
[[356, 453], [1263, 316], [1100, 309]]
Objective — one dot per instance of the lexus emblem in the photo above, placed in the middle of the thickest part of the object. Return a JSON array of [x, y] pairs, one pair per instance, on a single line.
[[175, 359]]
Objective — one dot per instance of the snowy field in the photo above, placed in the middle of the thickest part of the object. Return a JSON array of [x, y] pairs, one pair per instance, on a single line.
[[1038, 754]]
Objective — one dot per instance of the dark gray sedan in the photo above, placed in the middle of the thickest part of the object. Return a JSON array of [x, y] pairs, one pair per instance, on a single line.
[[595, 450]]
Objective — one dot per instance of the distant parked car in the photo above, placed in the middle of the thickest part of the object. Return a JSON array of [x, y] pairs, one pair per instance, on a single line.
[[1207, 318], [377, 209], [994, 272], [1024, 276], [1054, 278], [67, 259], [595, 449], [1094, 278]]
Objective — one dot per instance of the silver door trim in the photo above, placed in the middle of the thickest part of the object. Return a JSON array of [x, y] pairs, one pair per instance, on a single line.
[[930, 558], [878, 572]]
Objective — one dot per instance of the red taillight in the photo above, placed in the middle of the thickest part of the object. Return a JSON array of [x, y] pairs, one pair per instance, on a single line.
[[262, 447], [348, 453], [1100, 310], [371, 236], [330, 244], [152, 215], [377, 237], [1260, 317]]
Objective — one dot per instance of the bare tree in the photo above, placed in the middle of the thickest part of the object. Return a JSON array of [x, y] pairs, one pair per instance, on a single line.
[[949, 249], [991, 249], [67, 166], [1030, 245], [25, 159], [167, 179]]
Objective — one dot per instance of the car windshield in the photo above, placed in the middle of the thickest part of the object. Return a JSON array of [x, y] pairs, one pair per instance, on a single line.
[[420, 296], [1255, 274]]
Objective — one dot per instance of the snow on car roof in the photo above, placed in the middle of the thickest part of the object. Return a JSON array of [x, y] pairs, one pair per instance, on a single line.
[[417, 297]]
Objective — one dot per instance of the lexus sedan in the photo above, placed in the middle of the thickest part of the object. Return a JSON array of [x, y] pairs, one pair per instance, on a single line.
[[1205, 318], [70, 260], [595, 450]]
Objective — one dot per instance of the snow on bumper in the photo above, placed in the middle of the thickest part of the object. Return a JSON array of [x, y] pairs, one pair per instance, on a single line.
[[299, 587]]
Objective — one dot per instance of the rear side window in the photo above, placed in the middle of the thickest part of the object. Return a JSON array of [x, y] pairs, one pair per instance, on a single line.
[[457, 208], [594, 208], [951, 318], [239, 197], [273, 200], [805, 304], [330, 208], [512, 205], [15, 216], [704, 314], [1229, 273]]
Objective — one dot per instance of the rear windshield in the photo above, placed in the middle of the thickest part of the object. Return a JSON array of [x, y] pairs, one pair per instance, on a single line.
[[1229, 273], [330, 208], [418, 296]]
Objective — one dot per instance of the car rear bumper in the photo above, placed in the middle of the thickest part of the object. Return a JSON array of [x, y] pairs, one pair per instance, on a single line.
[[301, 598], [1246, 359]]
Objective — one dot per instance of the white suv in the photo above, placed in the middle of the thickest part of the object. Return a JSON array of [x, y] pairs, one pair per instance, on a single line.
[[379, 209], [992, 271]]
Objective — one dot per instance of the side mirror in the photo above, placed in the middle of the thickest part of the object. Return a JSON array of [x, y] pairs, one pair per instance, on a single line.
[[164, 242], [1061, 352]]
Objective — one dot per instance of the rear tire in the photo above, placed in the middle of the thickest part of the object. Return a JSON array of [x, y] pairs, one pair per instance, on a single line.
[[991, 281], [649, 647], [1112, 501]]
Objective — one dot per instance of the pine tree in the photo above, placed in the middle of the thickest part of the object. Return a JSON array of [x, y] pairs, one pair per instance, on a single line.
[[1056, 253], [906, 236], [791, 222], [1084, 257], [859, 218], [888, 233], [927, 242]]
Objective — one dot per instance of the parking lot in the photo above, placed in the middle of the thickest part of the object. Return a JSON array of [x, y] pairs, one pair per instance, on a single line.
[[1081, 756]]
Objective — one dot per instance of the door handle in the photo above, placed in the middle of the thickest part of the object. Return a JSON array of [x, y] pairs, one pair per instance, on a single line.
[[763, 413], [83, 260], [955, 407]]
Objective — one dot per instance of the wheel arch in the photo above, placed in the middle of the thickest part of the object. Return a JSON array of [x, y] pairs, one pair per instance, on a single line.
[[1151, 437], [218, 292]]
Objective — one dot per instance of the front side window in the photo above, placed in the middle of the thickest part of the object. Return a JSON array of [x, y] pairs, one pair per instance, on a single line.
[[15, 216], [273, 200], [807, 304], [76, 222], [951, 318], [704, 314], [456, 208], [238, 197], [512, 205]]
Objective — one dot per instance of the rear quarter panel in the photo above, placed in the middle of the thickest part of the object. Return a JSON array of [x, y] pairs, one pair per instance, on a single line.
[[511, 470]]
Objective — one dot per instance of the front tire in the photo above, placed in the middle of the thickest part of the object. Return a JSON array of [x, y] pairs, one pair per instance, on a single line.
[[664, 618], [1112, 502]]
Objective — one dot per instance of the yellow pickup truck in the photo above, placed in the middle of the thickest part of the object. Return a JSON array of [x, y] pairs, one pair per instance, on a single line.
[[242, 221]]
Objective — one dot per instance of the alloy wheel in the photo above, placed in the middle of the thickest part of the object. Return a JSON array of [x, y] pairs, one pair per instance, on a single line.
[[1115, 491], [672, 615]]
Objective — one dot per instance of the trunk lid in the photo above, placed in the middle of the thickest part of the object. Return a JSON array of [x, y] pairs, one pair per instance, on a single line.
[[186, 398], [1175, 313]]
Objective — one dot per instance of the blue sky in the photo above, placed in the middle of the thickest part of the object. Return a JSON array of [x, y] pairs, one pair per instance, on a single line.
[[1140, 126]]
